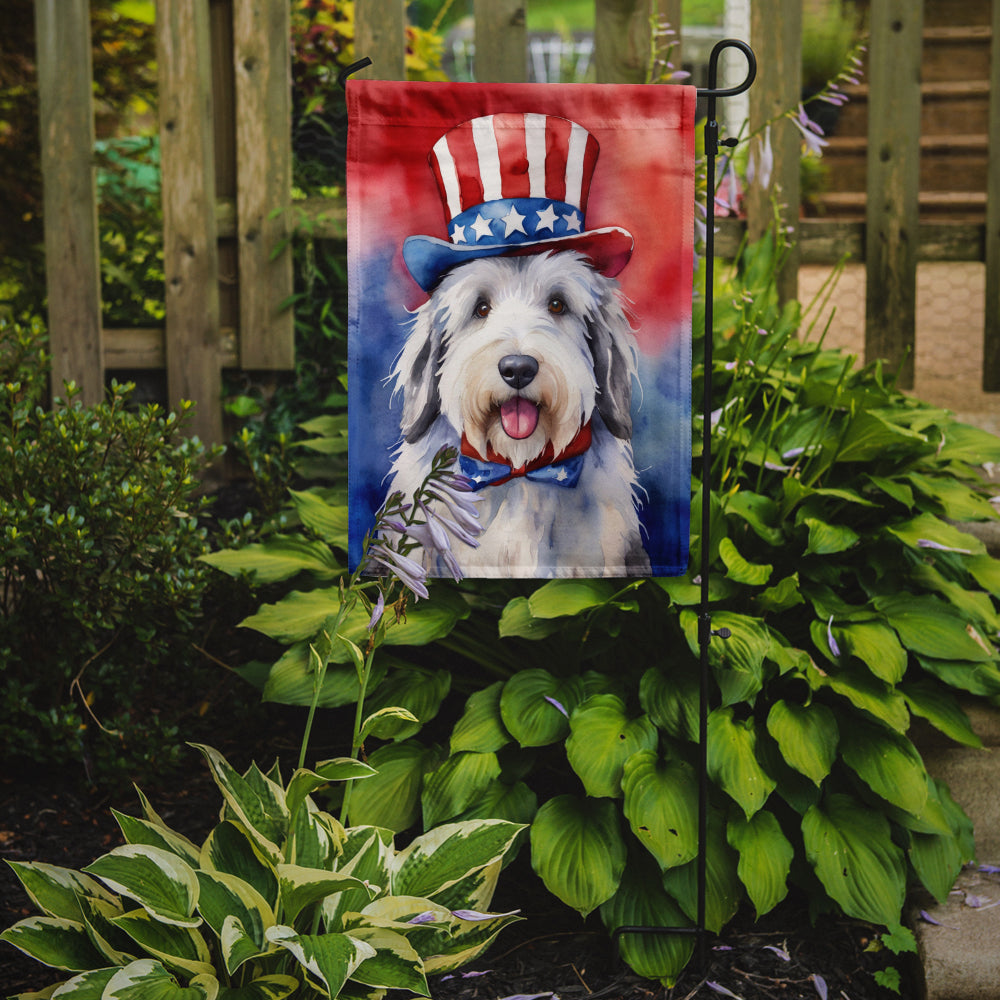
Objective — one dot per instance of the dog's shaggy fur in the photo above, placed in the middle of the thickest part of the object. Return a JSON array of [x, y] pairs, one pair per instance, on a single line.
[[557, 311]]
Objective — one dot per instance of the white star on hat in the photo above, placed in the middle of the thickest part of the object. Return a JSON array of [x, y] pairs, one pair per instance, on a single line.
[[458, 234], [572, 223], [512, 220], [481, 227], [547, 219]]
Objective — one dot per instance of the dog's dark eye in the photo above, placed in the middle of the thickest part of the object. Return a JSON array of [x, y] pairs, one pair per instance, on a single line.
[[482, 309], [557, 306]]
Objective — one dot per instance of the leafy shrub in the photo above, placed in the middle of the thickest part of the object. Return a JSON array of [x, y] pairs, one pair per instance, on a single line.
[[855, 604], [99, 539], [279, 899]]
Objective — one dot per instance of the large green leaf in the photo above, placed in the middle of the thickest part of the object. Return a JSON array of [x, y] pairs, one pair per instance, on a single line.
[[55, 941], [661, 800], [870, 436], [164, 885], [147, 979], [671, 699], [738, 661], [578, 851], [765, 858], [559, 598], [976, 678], [807, 736], [327, 520], [888, 763], [828, 539], [416, 689], [481, 728], [851, 850], [440, 858], [517, 620], [864, 691], [941, 709], [456, 784], [291, 680], [391, 798], [56, 891], [279, 558], [956, 500], [516, 803], [739, 569], [927, 531], [876, 646], [602, 737], [640, 901], [231, 850], [732, 760], [330, 959], [723, 889], [932, 628], [535, 706], [758, 511]]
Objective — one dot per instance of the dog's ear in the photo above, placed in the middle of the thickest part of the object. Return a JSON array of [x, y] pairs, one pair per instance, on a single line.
[[416, 373], [609, 335]]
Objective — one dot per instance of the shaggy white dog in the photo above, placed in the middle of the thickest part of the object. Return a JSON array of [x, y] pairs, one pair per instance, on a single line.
[[528, 361]]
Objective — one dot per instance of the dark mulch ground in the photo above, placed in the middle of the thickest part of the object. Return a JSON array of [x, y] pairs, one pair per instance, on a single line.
[[51, 819]]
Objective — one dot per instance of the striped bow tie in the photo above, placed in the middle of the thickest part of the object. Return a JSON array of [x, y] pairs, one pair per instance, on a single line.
[[563, 469]]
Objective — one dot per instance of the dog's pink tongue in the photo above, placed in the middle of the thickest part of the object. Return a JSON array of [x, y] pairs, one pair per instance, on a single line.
[[519, 416]]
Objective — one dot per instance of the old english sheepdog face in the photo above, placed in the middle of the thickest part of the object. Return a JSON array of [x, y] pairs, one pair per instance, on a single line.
[[517, 353]]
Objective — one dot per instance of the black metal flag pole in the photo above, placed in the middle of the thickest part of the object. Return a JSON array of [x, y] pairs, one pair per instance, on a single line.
[[705, 631]]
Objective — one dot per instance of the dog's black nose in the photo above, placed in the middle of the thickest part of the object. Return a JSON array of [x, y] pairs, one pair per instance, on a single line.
[[517, 370]]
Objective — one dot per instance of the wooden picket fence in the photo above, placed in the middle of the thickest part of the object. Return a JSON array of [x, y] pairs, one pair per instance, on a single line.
[[224, 82]]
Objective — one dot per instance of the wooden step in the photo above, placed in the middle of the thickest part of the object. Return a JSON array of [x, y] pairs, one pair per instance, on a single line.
[[956, 53], [958, 206], [947, 162], [945, 12]]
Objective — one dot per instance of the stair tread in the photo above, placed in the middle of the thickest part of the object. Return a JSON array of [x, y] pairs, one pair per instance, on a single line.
[[845, 145], [934, 88], [958, 33], [938, 199]]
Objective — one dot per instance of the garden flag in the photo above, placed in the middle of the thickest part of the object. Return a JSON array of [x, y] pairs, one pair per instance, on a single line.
[[520, 278]]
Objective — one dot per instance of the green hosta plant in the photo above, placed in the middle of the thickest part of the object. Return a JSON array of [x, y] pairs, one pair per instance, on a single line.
[[855, 602], [279, 900]]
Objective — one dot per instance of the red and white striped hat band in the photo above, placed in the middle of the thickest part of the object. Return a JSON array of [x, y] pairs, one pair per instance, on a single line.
[[514, 184]]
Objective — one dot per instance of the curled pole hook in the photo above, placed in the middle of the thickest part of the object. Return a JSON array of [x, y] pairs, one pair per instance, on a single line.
[[348, 70], [712, 90]]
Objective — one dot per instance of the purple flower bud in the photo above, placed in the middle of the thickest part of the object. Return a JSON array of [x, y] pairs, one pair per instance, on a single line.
[[834, 648], [558, 705]]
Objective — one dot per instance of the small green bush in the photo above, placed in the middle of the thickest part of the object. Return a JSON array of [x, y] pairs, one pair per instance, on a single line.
[[99, 578]]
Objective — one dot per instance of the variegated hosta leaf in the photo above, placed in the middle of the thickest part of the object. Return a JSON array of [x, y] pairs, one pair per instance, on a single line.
[[578, 851], [723, 889], [225, 897], [56, 891], [54, 941], [850, 847], [86, 986], [141, 831], [256, 801], [158, 880], [441, 857], [475, 891], [888, 763], [602, 737], [395, 964], [456, 784], [765, 858], [98, 915], [304, 782], [661, 800], [147, 979], [274, 987], [301, 887], [329, 959], [535, 706], [642, 902], [732, 760], [230, 849], [481, 727], [367, 853], [467, 940], [177, 947], [315, 838], [807, 736]]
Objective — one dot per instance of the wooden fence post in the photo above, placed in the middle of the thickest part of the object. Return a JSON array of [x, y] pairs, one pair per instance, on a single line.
[[380, 34], [501, 41], [262, 61], [991, 332], [622, 40], [892, 214], [190, 251], [72, 255], [776, 35]]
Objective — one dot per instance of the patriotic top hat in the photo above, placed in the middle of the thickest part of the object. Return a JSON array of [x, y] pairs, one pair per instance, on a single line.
[[514, 184]]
